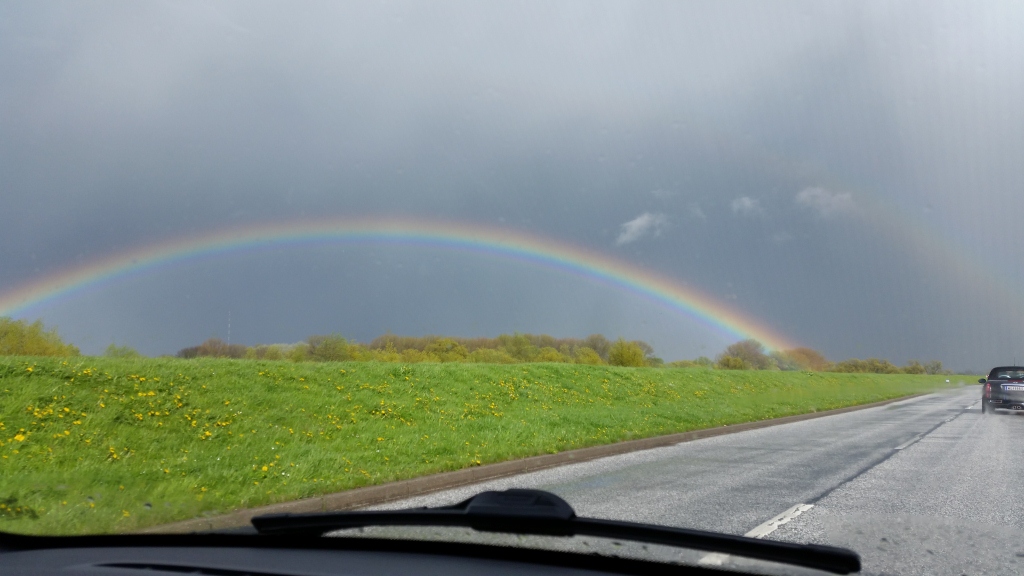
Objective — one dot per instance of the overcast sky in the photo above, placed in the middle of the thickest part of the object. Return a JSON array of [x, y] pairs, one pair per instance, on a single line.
[[849, 173]]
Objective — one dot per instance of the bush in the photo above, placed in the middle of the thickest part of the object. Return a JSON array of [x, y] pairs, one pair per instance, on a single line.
[[298, 352], [412, 356], [214, 348], [491, 356], [549, 354], [264, 352], [328, 348], [871, 365], [447, 350], [783, 361], [913, 367], [802, 359], [587, 355], [599, 344], [19, 338], [519, 347], [388, 354], [731, 363], [623, 353], [700, 362], [359, 353], [751, 352], [115, 351]]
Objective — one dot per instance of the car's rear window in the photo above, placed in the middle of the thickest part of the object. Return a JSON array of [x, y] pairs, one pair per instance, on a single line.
[[1007, 373]]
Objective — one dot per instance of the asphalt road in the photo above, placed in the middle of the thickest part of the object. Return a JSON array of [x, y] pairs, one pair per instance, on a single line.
[[922, 486]]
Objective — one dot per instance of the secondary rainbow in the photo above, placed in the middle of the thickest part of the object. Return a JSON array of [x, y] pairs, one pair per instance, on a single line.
[[530, 248]]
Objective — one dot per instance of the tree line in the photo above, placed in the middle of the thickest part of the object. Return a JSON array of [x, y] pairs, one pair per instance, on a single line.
[[22, 338], [505, 349], [751, 355]]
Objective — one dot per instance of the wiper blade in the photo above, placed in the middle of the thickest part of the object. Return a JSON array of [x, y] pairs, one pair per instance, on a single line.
[[521, 511]]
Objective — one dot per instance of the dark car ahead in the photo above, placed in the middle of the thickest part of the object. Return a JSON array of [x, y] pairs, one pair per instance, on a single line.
[[1004, 388]]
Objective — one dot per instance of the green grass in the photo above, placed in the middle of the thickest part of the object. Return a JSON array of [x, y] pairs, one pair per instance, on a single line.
[[106, 445]]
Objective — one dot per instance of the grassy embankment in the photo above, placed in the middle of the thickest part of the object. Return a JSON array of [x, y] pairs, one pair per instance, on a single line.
[[100, 444]]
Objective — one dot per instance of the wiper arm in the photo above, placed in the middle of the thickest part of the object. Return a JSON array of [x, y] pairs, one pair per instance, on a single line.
[[520, 511]]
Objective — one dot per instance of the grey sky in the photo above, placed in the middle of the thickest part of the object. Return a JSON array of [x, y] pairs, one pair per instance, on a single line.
[[846, 172]]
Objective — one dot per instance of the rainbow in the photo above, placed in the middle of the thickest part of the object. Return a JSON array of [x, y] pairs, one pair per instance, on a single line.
[[529, 248]]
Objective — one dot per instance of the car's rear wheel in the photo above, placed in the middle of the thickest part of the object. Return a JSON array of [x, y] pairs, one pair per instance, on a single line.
[[984, 407]]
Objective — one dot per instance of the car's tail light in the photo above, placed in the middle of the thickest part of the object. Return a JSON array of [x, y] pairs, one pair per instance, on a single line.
[[988, 390]]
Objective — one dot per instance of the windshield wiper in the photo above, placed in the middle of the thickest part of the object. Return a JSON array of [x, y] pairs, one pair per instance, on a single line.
[[521, 511]]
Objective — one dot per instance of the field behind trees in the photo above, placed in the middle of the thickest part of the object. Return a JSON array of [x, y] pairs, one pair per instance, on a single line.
[[119, 443]]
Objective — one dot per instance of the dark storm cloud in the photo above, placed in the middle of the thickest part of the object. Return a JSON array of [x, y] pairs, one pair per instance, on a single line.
[[747, 148]]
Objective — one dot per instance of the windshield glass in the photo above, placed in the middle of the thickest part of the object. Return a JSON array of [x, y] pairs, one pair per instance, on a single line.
[[1007, 374], [259, 254]]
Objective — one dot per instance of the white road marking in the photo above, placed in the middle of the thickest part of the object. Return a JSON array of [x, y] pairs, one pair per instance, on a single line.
[[908, 442], [771, 525], [762, 530]]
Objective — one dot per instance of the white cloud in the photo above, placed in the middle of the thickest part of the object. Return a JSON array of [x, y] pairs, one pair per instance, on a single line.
[[646, 223], [746, 206], [825, 202], [696, 211]]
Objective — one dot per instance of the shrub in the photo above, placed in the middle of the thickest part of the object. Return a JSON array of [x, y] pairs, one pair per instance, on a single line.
[[491, 356], [701, 362], [784, 361], [19, 338], [751, 352], [264, 352], [328, 348], [587, 355], [871, 365], [115, 351], [549, 354], [913, 367], [388, 354], [214, 348], [732, 363], [803, 359], [623, 353], [447, 350], [519, 347], [298, 352], [413, 355], [358, 352], [599, 344]]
